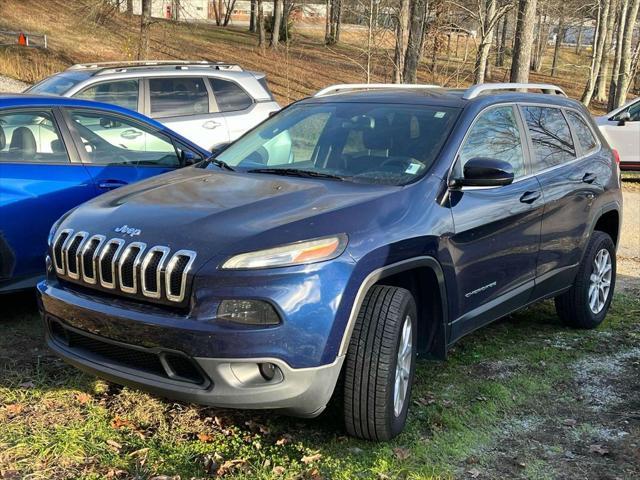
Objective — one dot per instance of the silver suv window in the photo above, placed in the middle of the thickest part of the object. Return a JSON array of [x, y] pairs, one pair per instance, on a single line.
[[177, 97], [229, 96], [123, 93]]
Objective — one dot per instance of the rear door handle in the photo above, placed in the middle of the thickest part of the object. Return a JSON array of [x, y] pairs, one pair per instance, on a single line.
[[589, 178], [210, 124], [111, 184], [530, 197]]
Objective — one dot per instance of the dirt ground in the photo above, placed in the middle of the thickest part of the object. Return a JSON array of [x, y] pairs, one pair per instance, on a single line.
[[629, 250]]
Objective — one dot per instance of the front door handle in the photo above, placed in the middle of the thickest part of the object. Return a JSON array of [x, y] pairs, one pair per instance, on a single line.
[[589, 177], [210, 124], [530, 197], [111, 184]]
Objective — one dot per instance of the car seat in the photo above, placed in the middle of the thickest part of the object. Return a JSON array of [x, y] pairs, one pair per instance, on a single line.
[[23, 144]]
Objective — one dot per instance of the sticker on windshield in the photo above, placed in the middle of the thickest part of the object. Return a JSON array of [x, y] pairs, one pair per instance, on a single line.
[[440, 114]]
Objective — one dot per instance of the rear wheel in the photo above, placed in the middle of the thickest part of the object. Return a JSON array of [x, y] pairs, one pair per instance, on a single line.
[[586, 304], [380, 364]]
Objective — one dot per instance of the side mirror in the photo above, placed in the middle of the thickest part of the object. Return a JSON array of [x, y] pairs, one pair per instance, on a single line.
[[624, 118], [485, 172], [187, 157]]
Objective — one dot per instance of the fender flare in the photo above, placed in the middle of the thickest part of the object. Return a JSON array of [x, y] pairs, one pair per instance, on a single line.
[[440, 340]]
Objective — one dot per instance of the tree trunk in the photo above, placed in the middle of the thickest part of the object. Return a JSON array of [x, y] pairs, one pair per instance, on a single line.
[[503, 41], [252, 17], [485, 42], [626, 57], [402, 38], [523, 41], [556, 48], [145, 24], [260, 18], [275, 25], [619, 39], [129, 7], [176, 10], [414, 45], [579, 39], [601, 81], [598, 50], [338, 23]]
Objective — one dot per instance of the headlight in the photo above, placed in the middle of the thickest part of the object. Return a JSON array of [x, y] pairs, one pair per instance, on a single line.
[[299, 253]]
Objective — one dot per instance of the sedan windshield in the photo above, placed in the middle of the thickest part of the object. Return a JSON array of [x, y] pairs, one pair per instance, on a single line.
[[366, 143]]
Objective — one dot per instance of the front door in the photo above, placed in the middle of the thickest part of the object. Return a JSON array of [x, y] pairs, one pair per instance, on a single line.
[[38, 184], [497, 229], [112, 161]]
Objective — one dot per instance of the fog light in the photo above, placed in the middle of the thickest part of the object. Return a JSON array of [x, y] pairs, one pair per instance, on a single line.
[[248, 312], [267, 370]]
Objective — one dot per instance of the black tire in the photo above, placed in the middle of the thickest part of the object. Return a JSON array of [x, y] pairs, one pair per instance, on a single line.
[[370, 366], [573, 305]]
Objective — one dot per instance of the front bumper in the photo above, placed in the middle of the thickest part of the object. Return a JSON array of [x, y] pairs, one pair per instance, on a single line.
[[160, 369]]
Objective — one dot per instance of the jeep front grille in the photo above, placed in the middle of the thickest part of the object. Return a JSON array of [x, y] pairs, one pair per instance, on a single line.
[[126, 268]]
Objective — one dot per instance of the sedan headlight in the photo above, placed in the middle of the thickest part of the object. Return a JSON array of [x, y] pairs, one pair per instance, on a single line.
[[299, 253]]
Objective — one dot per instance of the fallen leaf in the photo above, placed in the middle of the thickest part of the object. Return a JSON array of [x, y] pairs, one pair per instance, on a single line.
[[474, 472], [205, 437], [229, 466], [314, 474], [307, 459], [401, 453], [278, 470], [140, 452], [14, 409], [119, 422], [83, 398], [471, 460], [447, 403], [285, 439], [481, 398], [569, 422], [10, 475], [165, 477], [599, 449], [114, 444]]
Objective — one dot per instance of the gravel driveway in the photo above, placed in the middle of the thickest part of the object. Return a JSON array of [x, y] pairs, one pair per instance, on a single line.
[[629, 250], [10, 85]]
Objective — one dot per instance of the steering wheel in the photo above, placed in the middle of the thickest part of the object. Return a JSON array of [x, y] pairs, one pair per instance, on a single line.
[[403, 162]]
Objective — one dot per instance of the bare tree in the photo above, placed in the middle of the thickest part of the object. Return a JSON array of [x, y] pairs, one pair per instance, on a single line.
[[402, 39], [559, 39], [626, 57], [275, 25], [129, 7], [597, 51], [261, 31], [502, 48], [253, 14], [332, 33], [542, 35], [621, 20], [416, 36], [601, 81], [523, 42], [145, 25]]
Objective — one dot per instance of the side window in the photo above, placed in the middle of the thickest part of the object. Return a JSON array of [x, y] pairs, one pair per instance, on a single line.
[[550, 135], [583, 132], [112, 140], [123, 93], [229, 96], [30, 137], [634, 112], [176, 97], [495, 135]]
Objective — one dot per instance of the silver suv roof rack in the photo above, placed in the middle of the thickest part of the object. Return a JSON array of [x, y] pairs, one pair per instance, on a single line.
[[371, 86], [112, 67], [476, 90]]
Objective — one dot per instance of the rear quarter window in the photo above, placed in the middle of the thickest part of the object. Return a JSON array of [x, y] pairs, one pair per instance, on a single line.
[[584, 135]]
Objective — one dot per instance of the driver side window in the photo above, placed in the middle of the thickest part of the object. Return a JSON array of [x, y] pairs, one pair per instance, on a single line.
[[113, 140], [496, 135], [634, 113]]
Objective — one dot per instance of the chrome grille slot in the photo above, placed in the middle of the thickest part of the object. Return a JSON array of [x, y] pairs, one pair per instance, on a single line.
[[89, 254], [71, 254], [176, 274], [128, 267], [151, 273], [58, 250], [106, 262]]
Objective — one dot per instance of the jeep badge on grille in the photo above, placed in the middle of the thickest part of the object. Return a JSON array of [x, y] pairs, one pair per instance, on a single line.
[[127, 230]]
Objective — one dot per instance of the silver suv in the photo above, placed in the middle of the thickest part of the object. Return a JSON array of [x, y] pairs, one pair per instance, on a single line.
[[209, 103]]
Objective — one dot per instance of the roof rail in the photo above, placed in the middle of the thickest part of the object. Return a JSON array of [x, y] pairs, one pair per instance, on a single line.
[[371, 86], [109, 67], [476, 90]]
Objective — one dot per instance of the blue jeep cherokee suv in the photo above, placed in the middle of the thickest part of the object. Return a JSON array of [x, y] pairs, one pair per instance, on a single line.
[[390, 221]]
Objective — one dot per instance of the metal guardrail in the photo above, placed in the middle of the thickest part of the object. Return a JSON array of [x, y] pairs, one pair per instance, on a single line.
[[26, 39]]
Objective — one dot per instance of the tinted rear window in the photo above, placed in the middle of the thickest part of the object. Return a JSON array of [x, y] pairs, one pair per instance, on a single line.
[[175, 97], [551, 137]]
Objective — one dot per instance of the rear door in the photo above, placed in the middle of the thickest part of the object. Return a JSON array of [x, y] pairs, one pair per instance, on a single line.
[[571, 179], [41, 178], [187, 105], [497, 229], [104, 142], [241, 111]]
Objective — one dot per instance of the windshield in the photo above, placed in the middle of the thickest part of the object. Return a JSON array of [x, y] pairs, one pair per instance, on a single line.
[[359, 142], [59, 84]]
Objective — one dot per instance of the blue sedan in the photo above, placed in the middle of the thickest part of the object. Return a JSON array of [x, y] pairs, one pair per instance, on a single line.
[[56, 153]]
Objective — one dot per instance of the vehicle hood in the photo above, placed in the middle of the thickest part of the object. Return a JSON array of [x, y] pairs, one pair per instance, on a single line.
[[214, 212]]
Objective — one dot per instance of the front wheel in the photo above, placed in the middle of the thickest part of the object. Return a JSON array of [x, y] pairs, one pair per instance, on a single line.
[[380, 364], [586, 304]]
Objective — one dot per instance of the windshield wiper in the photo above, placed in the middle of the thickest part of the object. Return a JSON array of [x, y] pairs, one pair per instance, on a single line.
[[294, 172], [220, 163]]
